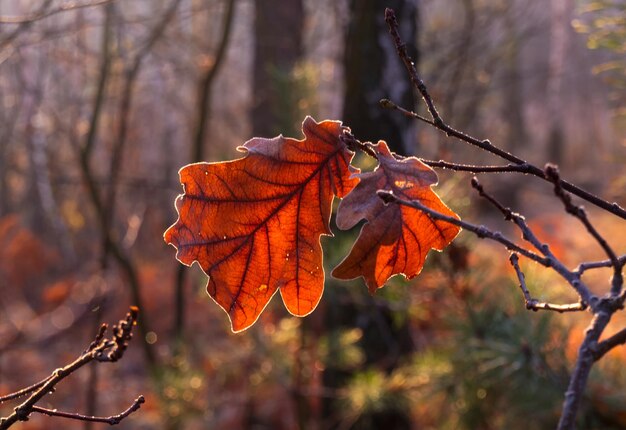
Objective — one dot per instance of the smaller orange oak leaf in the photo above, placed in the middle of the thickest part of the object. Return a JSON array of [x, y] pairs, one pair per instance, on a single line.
[[395, 239], [254, 224]]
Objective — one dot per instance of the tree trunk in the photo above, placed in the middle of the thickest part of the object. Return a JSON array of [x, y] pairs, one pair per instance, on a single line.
[[517, 135], [277, 49], [373, 71], [559, 23]]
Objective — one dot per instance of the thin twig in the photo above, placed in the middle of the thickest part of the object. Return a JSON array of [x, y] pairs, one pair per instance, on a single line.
[[552, 172], [528, 235], [507, 212], [442, 164], [583, 267], [99, 336], [536, 305], [24, 391], [480, 231], [388, 104], [485, 145], [353, 144], [602, 308], [111, 420], [548, 260]]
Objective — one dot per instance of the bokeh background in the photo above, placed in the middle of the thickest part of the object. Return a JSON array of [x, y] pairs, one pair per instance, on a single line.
[[101, 102]]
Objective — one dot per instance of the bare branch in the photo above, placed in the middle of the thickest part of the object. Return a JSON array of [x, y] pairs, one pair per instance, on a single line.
[[536, 305], [111, 420], [552, 172], [608, 344], [485, 145], [602, 308], [580, 375], [481, 231], [508, 214], [521, 168], [388, 104], [122, 334], [583, 267], [528, 235], [353, 144], [548, 260]]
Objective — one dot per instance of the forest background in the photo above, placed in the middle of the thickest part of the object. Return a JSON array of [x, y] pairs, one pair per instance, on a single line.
[[102, 101]]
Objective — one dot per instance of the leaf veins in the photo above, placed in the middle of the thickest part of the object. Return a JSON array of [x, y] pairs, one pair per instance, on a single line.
[[395, 239], [254, 224]]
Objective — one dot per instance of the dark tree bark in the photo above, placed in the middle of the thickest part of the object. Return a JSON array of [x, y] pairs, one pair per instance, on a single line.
[[277, 49], [373, 71]]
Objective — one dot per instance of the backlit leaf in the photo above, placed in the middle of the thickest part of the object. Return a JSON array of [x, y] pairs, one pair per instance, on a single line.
[[254, 224], [395, 239]]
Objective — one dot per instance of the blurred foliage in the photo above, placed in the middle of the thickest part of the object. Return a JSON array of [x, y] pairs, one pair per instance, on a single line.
[[487, 362], [604, 23]]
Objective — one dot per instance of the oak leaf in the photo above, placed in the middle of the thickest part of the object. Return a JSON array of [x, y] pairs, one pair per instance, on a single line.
[[396, 238], [254, 224]]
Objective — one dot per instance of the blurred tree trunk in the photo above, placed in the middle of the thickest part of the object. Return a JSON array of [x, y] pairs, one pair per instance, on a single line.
[[559, 23], [513, 94], [277, 50], [373, 71]]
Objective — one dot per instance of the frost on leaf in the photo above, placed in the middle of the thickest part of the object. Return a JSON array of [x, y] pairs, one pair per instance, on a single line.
[[254, 224], [396, 238]]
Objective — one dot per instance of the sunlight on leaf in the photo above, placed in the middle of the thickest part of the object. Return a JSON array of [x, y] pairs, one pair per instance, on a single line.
[[254, 224]]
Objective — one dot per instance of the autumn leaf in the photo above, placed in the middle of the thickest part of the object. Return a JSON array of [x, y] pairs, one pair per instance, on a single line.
[[254, 224], [395, 239]]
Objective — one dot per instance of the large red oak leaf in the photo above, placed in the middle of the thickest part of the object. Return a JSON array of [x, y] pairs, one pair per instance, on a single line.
[[254, 224], [396, 238]]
